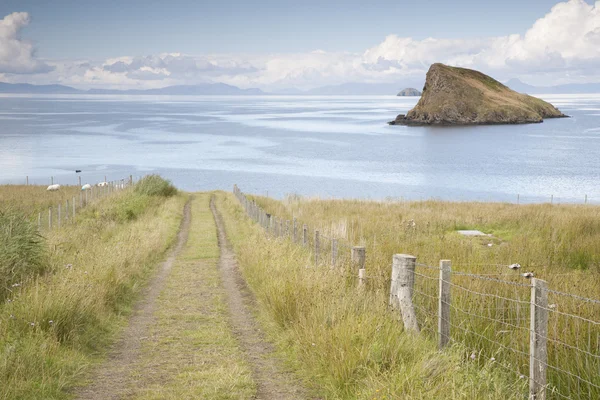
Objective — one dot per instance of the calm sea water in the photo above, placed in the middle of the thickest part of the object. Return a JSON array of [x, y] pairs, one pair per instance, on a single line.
[[325, 146]]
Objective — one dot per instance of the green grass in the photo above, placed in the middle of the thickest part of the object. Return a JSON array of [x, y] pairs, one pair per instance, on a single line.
[[22, 251], [192, 352], [343, 339], [155, 185], [60, 322], [558, 243]]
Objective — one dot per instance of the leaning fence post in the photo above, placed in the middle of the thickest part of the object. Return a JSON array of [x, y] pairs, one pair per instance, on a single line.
[[304, 235], [444, 304], [405, 282], [538, 338], [317, 248], [334, 251]]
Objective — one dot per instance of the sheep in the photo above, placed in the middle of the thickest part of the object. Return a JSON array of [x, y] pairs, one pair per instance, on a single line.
[[53, 188], [100, 184], [87, 186], [514, 266]]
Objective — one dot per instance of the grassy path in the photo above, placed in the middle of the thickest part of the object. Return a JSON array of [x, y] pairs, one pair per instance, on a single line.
[[193, 334], [273, 382]]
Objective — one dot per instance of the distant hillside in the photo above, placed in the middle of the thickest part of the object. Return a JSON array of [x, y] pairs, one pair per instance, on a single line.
[[197, 90], [572, 88], [460, 96], [409, 92], [26, 88]]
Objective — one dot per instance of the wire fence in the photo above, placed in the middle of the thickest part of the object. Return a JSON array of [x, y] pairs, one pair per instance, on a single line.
[[549, 340], [64, 213]]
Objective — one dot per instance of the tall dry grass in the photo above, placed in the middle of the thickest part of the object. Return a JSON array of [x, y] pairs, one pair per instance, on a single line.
[[560, 244], [54, 325], [343, 338]]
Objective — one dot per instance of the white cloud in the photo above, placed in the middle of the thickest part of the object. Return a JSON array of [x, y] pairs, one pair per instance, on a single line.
[[562, 46], [17, 55]]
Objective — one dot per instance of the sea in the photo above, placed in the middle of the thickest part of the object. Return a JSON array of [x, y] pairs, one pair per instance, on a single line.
[[326, 147]]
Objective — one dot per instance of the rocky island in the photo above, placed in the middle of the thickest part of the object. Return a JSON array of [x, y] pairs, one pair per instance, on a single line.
[[460, 96], [409, 92]]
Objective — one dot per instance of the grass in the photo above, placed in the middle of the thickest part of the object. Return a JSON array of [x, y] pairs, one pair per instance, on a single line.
[[57, 324], [558, 243], [343, 338], [22, 251], [192, 352], [32, 199]]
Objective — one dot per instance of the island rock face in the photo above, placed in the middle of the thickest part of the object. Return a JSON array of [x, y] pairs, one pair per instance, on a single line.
[[460, 96], [409, 92]]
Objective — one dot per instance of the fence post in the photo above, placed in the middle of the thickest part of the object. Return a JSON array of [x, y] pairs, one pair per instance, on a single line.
[[357, 257], [27, 180], [444, 303], [281, 227], [304, 235], [317, 248], [73, 207], [52, 180], [79, 180], [405, 280], [80, 199], [40, 221], [66, 210], [50, 218], [334, 250], [268, 223], [287, 228], [538, 334], [295, 229]]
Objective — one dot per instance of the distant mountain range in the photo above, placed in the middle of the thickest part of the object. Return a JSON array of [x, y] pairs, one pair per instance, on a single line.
[[350, 89], [345, 89], [198, 90], [572, 88]]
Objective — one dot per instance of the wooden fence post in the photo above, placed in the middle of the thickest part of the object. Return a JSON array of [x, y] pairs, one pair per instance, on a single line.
[[405, 280], [357, 258], [538, 334], [444, 304], [287, 228], [52, 180], [281, 234], [304, 235], [334, 251], [268, 223], [66, 210], [317, 248], [27, 180], [295, 229], [73, 207], [50, 218]]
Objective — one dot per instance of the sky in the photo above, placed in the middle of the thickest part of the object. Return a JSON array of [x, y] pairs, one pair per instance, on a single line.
[[279, 44]]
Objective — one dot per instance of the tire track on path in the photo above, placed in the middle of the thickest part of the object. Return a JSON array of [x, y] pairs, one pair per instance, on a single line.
[[272, 381], [112, 379]]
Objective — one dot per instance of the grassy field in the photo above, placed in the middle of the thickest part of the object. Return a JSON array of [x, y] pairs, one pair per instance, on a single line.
[[559, 244], [57, 321], [343, 338], [34, 199]]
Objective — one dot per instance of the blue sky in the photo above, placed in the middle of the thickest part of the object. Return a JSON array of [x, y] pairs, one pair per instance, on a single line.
[[279, 44], [109, 28]]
